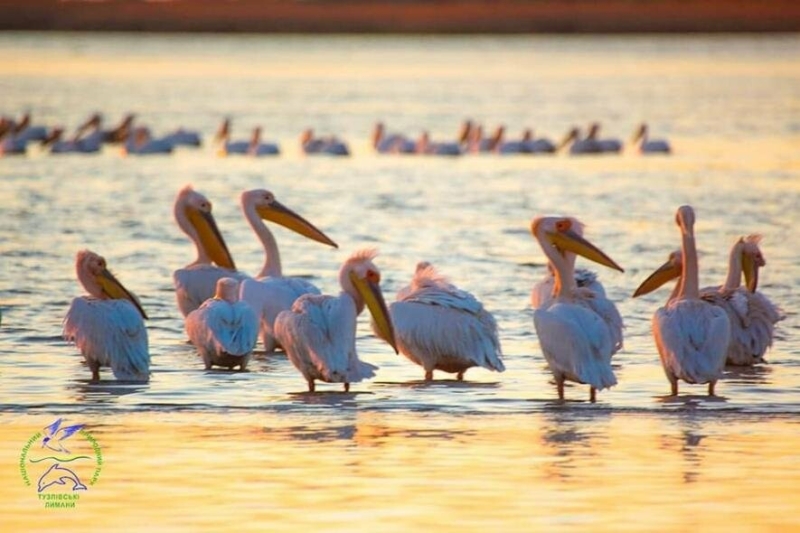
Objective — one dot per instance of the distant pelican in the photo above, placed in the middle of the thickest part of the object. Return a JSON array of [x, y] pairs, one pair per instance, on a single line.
[[322, 145], [224, 329], [575, 340], [426, 146], [606, 145], [253, 146], [196, 282], [141, 142], [107, 325], [393, 143], [183, 137], [441, 327], [691, 334], [319, 333], [578, 145], [532, 145], [752, 315], [272, 292], [645, 145], [89, 144]]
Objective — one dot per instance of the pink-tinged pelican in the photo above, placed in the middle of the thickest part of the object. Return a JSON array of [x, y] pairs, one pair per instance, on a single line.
[[692, 335], [579, 145], [575, 340], [319, 332], [752, 315], [441, 327], [224, 329], [645, 145], [272, 292], [197, 281], [107, 326]]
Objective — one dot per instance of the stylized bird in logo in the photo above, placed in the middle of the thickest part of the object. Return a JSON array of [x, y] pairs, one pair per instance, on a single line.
[[55, 435]]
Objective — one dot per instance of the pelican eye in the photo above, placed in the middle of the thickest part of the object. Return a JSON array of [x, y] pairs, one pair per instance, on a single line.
[[563, 225], [373, 276]]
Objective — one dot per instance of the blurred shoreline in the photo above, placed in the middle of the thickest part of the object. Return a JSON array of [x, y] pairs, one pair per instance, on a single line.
[[403, 16]]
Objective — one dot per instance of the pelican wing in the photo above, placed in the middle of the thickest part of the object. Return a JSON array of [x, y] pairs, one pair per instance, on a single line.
[[197, 283], [692, 338], [218, 328], [576, 343], [111, 333], [542, 293], [443, 322], [609, 313], [270, 296]]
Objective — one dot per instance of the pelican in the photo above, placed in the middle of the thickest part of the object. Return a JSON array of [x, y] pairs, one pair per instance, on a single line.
[[575, 340], [184, 137], [272, 292], [107, 325], [88, 144], [441, 327], [606, 145], [141, 142], [322, 145], [578, 145], [224, 329], [426, 146], [692, 335], [645, 145], [752, 315], [394, 143], [196, 282], [319, 332]]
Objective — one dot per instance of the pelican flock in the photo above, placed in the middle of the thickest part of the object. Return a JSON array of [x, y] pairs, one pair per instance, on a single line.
[[107, 326]]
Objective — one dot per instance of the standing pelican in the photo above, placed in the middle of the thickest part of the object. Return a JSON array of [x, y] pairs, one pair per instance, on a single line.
[[107, 326], [196, 282], [272, 292], [645, 145], [224, 329], [691, 335], [752, 315], [319, 332], [575, 340], [441, 327]]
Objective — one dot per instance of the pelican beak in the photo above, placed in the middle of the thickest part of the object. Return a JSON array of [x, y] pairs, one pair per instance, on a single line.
[[569, 240], [210, 238], [750, 270], [370, 291], [570, 136], [666, 272], [116, 291], [280, 214]]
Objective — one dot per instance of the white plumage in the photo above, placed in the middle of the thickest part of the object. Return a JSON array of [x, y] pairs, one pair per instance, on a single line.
[[272, 292], [223, 329], [319, 332], [441, 327], [107, 325], [575, 340]]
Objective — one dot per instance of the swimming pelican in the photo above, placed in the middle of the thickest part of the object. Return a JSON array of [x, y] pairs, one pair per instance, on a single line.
[[319, 333], [107, 325], [197, 281], [224, 329], [578, 145], [752, 315], [272, 292], [141, 142], [606, 145], [426, 146], [330, 145], [184, 137], [252, 146], [393, 143], [645, 145], [575, 340], [692, 335], [88, 144], [441, 327]]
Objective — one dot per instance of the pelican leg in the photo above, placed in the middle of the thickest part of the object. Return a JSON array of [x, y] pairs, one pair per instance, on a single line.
[[429, 375], [460, 376], [673, 381], [310, 385], [711, 385], [560, 387], [592, 394], [347, 387], [95, 367]]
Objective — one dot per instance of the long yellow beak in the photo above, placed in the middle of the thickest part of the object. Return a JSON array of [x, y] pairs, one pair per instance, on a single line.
[[280, 214], [666, 272], [116, 291], [569, 240], [210, 238], [750, 270], [373, 297]]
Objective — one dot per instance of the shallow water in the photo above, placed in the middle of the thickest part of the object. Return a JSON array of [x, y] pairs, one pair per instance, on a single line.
[[253, 450]]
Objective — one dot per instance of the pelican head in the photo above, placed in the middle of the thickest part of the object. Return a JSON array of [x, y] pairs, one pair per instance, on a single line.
[[360, 278], [572, 135], [378, 134], [193, 214], [527, 134], [307, 136], [566, 234], [752, 259], [268, 208], [684, 218], [99, 282], [594, 130], [672, 269]]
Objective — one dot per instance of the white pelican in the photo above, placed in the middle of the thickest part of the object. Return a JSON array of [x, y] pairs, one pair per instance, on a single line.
[[184, 137], [691, 334], [330, 145], [645, 145], [752, 315], [141, 142], [196, 282], [441, 327], [578, 145], [394, 143], [319, 333], [224, 329], [575, 340], [107, 325], [272, 292], [606, 145], [426, 146]]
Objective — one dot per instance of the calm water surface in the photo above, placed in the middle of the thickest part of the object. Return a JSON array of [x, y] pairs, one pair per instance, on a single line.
[[214, 450]]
